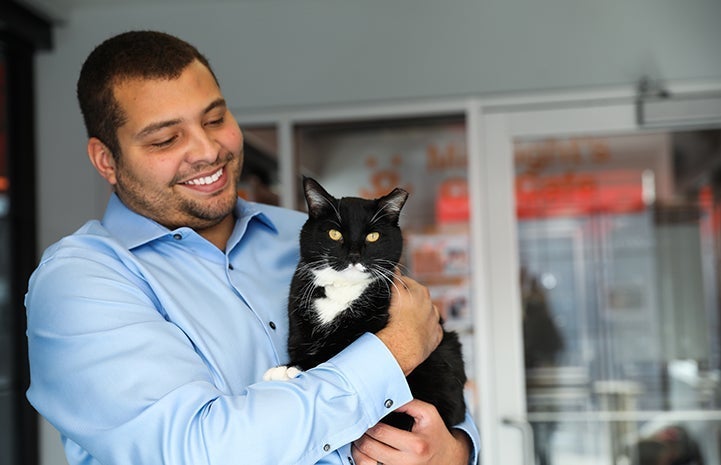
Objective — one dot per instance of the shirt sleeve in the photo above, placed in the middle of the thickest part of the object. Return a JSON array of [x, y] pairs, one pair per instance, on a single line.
[[469, 427], [124, 385]]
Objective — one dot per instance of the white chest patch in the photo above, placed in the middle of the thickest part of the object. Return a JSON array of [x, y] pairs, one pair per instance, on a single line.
[[341, 289]]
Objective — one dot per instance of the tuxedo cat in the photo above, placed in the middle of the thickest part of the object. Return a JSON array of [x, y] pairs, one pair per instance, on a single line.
[[341, 289]]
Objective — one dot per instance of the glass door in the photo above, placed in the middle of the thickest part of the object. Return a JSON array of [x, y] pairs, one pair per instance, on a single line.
[[612, 296]]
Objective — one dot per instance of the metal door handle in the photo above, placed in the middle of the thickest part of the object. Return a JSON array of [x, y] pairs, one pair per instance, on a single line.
[[529, 455]]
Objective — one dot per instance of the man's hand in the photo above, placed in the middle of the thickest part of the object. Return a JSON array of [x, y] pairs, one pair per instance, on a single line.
[[414, 329], [428, 443]]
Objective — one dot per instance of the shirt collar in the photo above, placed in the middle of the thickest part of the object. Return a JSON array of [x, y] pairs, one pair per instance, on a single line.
[[133, 230]]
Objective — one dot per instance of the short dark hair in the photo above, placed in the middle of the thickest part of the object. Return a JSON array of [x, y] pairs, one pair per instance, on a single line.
[[130, 55]]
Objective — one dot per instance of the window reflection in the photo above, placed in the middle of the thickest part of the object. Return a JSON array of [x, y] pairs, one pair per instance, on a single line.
[[427, 157], [619, 248], [259, 178]]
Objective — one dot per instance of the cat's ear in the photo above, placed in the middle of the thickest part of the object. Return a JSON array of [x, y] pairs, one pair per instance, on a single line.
[[318, 199], [393, 202]]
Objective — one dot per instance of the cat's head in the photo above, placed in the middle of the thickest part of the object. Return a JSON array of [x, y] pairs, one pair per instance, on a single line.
[[352, 232]]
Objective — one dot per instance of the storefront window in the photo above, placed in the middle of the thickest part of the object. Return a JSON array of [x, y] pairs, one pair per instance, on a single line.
[[259, 178], [619, 241], [426, 156]]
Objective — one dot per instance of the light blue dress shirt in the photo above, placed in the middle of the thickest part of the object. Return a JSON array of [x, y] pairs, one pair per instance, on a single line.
[[148, 345]]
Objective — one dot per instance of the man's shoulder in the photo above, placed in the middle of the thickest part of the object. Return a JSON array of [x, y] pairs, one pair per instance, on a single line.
[[89, 238], [281, 217]]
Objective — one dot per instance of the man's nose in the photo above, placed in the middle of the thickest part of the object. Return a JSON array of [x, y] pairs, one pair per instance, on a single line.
[[203, 147]]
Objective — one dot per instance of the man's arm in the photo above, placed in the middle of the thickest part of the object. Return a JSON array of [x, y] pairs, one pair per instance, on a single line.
[[412, 334], [414, 329], [428, 443], [126, 385]]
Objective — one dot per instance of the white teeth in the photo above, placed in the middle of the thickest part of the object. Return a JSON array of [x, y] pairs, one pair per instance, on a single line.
[[207, 179]]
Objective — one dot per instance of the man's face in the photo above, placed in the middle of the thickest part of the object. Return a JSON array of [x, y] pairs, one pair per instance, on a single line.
[[181, 150]]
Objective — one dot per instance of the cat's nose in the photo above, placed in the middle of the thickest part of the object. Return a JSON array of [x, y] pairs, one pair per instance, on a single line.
[[354, 257]]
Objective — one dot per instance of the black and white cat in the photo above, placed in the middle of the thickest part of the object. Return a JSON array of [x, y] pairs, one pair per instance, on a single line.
[[341, 289]]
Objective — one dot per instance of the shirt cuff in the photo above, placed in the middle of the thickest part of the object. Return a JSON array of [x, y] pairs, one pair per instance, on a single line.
[[371, 368], [469, 427]]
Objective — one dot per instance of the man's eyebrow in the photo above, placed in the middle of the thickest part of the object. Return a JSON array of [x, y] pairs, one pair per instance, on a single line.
[[151, 128], [219, 102]]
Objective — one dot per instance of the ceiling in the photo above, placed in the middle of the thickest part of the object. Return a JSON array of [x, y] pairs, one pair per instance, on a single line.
[[59, 9]]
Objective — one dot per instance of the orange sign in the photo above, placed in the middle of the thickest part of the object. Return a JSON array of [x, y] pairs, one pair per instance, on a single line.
[[580, 193]]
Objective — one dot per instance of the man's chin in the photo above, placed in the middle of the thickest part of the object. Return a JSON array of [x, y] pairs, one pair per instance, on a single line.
[[204, 215]]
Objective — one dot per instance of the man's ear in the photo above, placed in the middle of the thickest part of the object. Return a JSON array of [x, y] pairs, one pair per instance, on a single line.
[[102, 159]]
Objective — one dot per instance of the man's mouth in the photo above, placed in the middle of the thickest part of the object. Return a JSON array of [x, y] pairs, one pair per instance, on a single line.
[[204, 180]]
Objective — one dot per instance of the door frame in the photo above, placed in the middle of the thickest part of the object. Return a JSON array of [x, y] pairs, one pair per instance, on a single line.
[[505, 431]]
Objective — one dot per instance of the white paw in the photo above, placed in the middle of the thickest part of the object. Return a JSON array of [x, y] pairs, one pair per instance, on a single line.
[[281, 373]]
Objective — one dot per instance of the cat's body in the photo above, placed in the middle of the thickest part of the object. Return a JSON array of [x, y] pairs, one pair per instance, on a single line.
[[341, 289]]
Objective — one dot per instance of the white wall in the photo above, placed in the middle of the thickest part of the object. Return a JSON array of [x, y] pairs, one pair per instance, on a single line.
[[275, 53], [308, 52]]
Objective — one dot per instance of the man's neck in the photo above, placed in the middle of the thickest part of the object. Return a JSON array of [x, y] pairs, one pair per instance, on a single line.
[[219, 234]]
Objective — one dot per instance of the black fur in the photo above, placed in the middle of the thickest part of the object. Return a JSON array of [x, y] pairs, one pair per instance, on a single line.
[[440, 379]]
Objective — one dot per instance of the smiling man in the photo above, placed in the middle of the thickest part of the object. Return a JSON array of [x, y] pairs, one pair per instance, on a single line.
[[179, 151], [149, 331]]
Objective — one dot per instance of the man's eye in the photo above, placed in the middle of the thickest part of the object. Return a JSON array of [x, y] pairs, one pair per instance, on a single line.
[[164, 143], [216, 122]]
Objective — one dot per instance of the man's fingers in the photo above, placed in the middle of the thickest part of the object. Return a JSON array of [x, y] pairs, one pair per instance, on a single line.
[[417, 409]]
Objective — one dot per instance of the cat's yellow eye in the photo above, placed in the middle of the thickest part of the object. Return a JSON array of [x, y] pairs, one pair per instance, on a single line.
[[372, 237], [335, 234]]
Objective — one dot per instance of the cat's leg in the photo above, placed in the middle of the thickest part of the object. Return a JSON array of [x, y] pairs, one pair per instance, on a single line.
[[281, 373]]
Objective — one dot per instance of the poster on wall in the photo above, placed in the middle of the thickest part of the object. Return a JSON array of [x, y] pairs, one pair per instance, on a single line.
[[429, 161]]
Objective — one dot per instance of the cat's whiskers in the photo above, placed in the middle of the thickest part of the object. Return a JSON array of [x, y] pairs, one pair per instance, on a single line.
[[387, 275], [307, 268], [402, 268], [389, 265], [306, 296], [383, 275], [306, 292]]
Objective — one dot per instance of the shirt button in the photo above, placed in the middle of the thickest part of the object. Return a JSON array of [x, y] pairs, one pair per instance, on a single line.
[[326, 447], [272, 325], [177, 236], [230, 266], [350, 460], [388, 403]]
